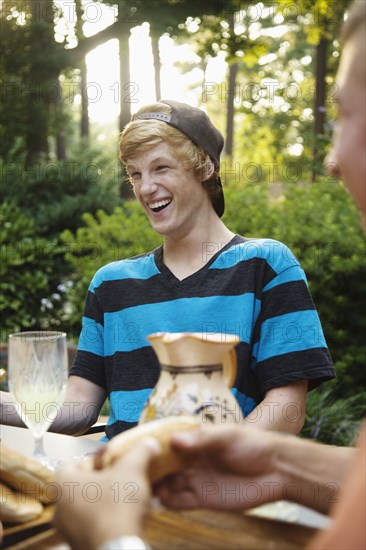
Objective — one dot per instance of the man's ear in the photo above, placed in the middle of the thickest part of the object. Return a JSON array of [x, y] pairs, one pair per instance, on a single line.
[[208, 169]]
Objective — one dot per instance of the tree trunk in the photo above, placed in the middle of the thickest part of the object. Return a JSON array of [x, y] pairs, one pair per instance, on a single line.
[[126, 86], [157, 63], [60, 136], [127, 91], [84, 121], [233, 71], [41, 83], [319, 104], [61, 146]]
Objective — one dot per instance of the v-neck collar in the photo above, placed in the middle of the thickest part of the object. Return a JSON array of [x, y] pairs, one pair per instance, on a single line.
[[173, 281]]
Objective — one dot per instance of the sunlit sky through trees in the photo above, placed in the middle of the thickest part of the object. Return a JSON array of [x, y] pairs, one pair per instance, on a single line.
[[181, 68], [103, 64]]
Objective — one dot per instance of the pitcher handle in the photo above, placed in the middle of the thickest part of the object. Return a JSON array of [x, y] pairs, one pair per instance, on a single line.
[[229, 365]]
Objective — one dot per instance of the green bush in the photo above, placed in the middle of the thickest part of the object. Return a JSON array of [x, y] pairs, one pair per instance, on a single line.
[[321, 225], [103, 239], [28, 286], [57, 194], [42, 201], [331, 420]]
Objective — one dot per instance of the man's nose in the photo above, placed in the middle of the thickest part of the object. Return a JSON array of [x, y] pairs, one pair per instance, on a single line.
[[148, 185], [331, 162]]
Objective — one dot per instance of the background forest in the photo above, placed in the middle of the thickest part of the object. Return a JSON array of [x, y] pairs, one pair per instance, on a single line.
[[66, 206]]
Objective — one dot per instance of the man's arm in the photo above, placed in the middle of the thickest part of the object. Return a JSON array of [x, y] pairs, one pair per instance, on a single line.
[[282, 409], [348, 527], [312, 473], [80, 410], [240, 467]]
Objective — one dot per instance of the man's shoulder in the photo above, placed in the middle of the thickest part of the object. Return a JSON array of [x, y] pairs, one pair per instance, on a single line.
[[136, 267], [243, 249]]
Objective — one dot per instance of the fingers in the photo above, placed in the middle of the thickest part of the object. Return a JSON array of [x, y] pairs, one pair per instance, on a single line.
[[69, 471], [135, 460], [139, 458], [184, 500], [206, 439], [175, 492], [118, 485]]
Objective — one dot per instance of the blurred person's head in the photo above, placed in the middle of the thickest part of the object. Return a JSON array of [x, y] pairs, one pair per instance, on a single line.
[[347, 157]]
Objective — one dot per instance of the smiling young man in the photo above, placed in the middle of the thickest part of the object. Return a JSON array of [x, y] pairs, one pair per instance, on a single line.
[[254, 288]]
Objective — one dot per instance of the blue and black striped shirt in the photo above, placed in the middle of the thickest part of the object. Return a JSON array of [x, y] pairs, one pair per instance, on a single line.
[[254, 288]]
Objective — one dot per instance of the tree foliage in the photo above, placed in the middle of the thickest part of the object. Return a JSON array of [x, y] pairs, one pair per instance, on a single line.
[[27, 272], [268, 44], [29, 77], [103, 239], [286, 58], [39, 204], [320, 223], [332, 420], [57, 194]]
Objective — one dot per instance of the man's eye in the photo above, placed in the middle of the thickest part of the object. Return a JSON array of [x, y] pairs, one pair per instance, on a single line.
[[161, 167]]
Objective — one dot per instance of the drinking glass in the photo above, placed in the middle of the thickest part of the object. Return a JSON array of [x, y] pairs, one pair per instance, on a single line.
[[37, 375]]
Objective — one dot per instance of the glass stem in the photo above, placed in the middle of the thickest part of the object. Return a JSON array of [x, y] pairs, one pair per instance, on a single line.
[[38, 447]]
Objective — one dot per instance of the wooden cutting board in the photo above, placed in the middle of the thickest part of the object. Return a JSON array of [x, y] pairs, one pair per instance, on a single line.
[[199, 530], [213, 530], [15, 532]]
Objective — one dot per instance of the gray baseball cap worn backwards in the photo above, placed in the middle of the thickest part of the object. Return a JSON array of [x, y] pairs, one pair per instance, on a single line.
[[196, 125]]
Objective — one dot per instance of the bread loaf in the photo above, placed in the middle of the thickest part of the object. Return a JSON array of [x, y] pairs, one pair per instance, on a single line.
[[18, 507], [27, 475], [167, 462]]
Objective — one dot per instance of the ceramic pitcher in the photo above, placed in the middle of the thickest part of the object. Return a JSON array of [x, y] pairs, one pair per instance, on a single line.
[[197, 371]]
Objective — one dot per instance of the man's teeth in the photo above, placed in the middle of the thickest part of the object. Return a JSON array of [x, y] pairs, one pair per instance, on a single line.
[[158, 205]]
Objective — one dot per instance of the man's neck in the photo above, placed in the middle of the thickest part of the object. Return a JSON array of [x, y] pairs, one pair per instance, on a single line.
[[188, 255]]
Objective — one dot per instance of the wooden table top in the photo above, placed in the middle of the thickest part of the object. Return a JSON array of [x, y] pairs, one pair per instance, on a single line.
[[191, 530], [215, 530]]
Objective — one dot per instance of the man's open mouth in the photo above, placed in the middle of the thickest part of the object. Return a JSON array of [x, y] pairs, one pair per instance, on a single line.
[[159, 205]]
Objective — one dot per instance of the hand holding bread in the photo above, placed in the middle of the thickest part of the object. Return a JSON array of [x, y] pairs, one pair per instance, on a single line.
[[26, 485], [119, 500], [166, 462]]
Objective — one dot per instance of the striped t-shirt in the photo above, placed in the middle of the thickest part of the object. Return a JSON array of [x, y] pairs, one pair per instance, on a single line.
[[254, 288]]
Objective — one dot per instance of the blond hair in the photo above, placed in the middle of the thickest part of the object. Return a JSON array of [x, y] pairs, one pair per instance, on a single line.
[[140, 135]]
